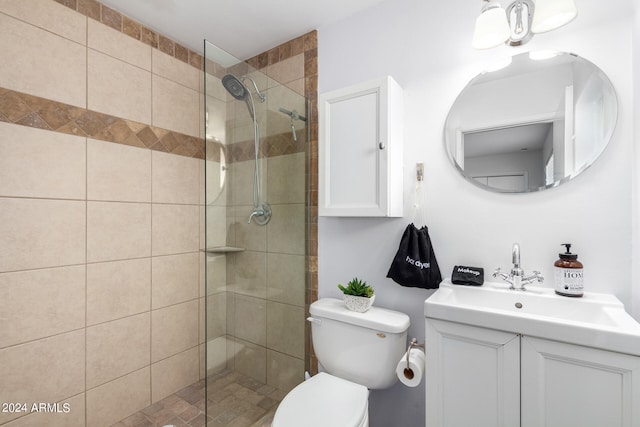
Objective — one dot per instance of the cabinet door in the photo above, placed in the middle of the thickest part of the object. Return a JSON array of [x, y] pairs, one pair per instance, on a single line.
[[472, 376], [569, 385], [360, 148]]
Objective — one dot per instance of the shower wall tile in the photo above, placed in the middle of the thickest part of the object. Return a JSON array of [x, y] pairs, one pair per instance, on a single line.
[[47, 370], [176, 179], [49, 16], [288, 70], [118, 172], [217, 318], [40, 303], [216, 273], [242, 175], [285, 328], [216, 356], [252, 236], [286, 231], [118, 289], [286, 179], [250, 274], [37, 233], [174, 373], [251, 360], [118, 88], [74, 418], [175, 107], [59, 72], [174, 329], [250, 319], [115, 400], [117, 231], [285, 279], [175, 229], [216, 227], [118, 45], [284, 372], [175, 70], [26, 152], [175, 279], [117, 348]]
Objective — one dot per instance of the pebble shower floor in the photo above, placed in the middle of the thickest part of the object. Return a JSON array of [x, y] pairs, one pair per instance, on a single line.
[[234, 400]]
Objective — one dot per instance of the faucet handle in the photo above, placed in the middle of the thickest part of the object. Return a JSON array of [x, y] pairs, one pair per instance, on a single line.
[[497, 272]]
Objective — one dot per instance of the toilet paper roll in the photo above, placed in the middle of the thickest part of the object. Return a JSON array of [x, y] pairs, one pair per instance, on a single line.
[[411, 376]]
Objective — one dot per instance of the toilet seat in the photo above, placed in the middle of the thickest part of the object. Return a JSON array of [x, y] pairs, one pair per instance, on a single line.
[[324, 400]]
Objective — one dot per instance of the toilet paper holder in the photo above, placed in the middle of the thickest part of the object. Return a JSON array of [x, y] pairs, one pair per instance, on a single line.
[[413, 344]]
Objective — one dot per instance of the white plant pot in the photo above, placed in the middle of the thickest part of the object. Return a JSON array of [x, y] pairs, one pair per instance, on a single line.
[[359, 304]]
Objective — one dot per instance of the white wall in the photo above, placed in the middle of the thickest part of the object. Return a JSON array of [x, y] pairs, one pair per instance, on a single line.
[[426, 47], [636, 167]]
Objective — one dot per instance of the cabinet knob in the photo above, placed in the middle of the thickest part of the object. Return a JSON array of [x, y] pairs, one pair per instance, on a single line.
[[381, 146]]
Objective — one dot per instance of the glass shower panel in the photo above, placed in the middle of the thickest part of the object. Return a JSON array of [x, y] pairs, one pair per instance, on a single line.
[[255, 274]]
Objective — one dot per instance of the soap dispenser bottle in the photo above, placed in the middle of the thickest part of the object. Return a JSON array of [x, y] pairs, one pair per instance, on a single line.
[[568, 274]]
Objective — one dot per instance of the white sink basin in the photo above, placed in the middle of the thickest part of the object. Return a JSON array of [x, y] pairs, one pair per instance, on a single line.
[[595, 320]]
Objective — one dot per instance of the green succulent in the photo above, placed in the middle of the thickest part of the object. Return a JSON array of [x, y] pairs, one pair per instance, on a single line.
[[357, 288]]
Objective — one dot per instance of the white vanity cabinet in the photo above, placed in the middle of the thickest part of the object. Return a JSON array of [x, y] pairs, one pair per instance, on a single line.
[[360, 150], [484, 377]]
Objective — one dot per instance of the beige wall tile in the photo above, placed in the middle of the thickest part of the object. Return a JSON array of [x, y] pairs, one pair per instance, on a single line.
[[46, 370], [174, 329], [39, 303], [285, 329], [216, 226], [286, 278], [286, 179], [284, 372], [41, 233], [250, 274], [117, 348], [175, 107], [118, 88], [119, 45], [288, 70], [176, 179], [74, 418], [250, 319], [251, 360], [26, 152], [57, 74], [252, 236], [50, 16], [118, 289], [117, 172], [175, 229], [216, 116], [116, 400], [285, 231], [202, 318], [242, 184], [216, 273], [175, 70], [175, 279], [117, 231], [174, 373], [214, 88], [216, 318], [217, 355], [217, 182]]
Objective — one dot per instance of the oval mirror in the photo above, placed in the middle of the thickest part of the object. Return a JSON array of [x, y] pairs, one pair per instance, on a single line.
[[534, 122]]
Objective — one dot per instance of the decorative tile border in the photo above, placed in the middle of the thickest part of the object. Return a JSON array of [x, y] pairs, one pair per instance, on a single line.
[[114, 19], [32, 111]]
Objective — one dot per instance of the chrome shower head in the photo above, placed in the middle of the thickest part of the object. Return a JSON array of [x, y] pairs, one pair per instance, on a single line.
[[235, 87]]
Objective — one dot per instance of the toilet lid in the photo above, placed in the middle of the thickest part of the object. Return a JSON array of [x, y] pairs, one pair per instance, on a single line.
[[321, 401]]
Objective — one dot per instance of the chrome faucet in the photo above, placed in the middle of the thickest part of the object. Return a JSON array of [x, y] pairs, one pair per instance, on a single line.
[[517, 278], [261, 214]]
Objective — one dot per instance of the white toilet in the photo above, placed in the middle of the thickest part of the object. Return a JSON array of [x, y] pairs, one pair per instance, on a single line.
[[358, 352]]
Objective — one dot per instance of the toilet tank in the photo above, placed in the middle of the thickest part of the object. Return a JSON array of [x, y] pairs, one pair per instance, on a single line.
[[360, 347]]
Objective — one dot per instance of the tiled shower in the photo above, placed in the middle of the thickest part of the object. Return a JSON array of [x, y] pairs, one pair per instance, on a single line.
[[102, 218]]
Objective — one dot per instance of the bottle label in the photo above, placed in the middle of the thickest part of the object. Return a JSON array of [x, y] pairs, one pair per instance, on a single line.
[[569, 280]]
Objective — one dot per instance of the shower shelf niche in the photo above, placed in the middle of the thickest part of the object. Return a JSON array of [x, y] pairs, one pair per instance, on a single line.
[[222, 249]]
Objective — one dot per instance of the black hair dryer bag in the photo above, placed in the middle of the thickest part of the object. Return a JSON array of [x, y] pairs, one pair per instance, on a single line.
[[415, 263]]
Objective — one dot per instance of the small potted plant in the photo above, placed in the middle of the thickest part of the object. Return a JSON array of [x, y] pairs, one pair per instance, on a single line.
[[358, 296]]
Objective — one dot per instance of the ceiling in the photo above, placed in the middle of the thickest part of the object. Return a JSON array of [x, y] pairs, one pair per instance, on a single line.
[[244, 28]]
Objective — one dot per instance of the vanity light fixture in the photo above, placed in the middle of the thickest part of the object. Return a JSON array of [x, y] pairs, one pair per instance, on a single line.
[[516, 24]]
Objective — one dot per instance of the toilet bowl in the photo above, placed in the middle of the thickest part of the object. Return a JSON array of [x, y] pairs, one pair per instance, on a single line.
[[343, 342], [324, 400]]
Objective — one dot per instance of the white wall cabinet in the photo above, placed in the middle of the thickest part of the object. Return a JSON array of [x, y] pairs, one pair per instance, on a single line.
[[483, 377], [360, 150]]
